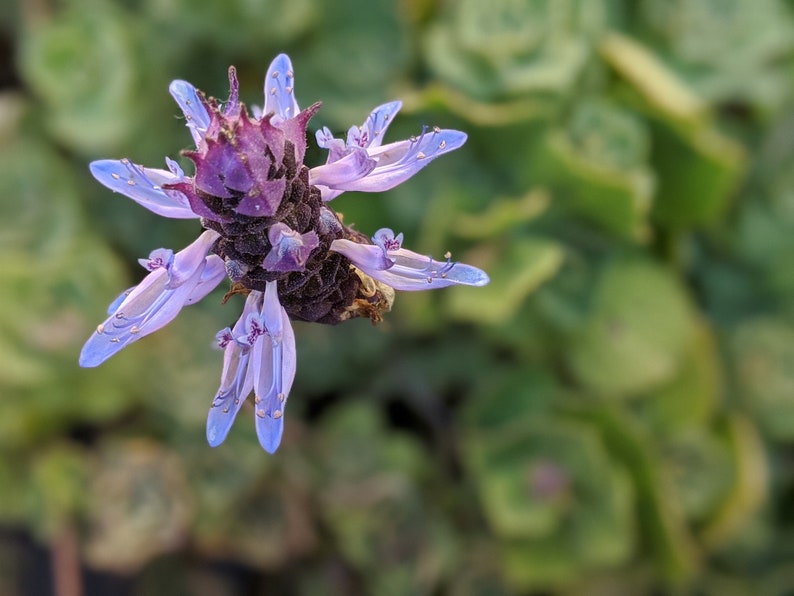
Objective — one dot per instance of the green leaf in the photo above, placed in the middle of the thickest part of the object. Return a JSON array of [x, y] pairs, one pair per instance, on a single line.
[[516, 271], [550, 491], [82, 65], [763, 358], [699, 170], [637, 331], [507, 48], [693, 397]]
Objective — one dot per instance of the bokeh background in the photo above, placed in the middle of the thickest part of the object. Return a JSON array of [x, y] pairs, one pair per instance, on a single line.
[[612, 415]]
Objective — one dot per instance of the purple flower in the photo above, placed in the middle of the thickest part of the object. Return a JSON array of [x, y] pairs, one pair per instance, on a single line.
[[267, 229]]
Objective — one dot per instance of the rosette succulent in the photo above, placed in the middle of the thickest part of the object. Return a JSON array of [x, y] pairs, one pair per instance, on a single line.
[[727, 50], [266, 228], [508, 47]]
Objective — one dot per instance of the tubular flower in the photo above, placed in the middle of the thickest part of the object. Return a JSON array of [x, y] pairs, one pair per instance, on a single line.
[[266, 228]]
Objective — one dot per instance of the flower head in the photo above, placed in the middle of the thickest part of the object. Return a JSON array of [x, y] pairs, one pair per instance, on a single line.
[[267, 229]]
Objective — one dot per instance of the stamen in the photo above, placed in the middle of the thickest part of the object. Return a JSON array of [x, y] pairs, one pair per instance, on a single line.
[[277, 414], [100, 329], [260, 413]]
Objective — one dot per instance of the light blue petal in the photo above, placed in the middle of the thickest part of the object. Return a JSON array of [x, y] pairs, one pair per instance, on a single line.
[[236, 384], [151, 305], [371, 133], [269, 431], [276, 360], [213, 274], [280, 89], [192, 105], [237, 378], [114, 306], [189, 259], [144, 186], [410, 271], [343, 172], [399, 161]]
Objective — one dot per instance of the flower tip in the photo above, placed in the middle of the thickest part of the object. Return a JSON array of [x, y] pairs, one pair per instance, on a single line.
[[477, 277], [468, 275], [281, 62], [269, 431], [214, 438], [91, 357]]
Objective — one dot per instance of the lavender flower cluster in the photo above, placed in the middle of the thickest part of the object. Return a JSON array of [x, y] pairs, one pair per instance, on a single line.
[[267, 228]]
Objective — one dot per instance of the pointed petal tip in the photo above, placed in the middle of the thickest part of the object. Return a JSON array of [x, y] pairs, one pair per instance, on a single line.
[[92, 354], [269, 431], [87, 361], [214, 436], [469, 275], [281, 61]]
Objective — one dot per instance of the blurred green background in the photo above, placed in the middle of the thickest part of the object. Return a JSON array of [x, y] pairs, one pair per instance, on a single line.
[[612, 415]]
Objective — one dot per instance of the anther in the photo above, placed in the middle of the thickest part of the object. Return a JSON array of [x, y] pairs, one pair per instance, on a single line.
[[420, 155], [447, 255], [277, 414], [115, 176], [436, 129], [100, 329], [114, 340], [131, 182], [135, 329], [260, 413], [226, 410], [125, 161], [275, 74], [121, 315], [288, 89], [290, 74], [281, 397], [257, 400], [442, 145], [272, 91]]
